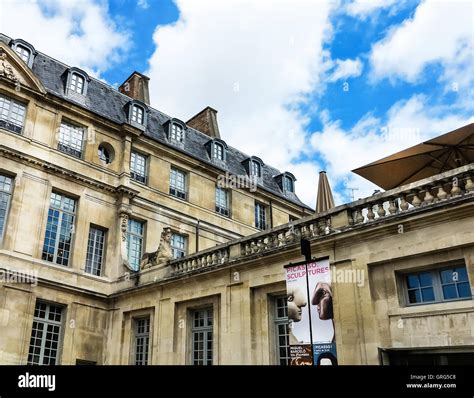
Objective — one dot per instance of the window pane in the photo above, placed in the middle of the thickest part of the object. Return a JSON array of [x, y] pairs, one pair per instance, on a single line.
[[77, 83], [412, 281], [12, 114], [71, 139], [138, 166], [425, 279], [59, 229], [178, 245], [427, 294], [414, 296], [95, 251], [464, 289], [134, 243], [45, 335], [23, 52], [450, 292]]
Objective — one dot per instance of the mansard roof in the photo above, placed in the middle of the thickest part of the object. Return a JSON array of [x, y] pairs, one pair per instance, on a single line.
[[107, 102]]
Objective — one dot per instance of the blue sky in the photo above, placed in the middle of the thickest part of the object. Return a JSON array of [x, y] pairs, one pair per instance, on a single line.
[[305, 85]]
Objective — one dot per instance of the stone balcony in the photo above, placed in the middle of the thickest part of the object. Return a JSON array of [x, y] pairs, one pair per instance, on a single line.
[[421, 196]]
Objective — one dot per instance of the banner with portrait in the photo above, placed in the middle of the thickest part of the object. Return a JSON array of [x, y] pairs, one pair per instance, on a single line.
[[310, 313], [301, 351]]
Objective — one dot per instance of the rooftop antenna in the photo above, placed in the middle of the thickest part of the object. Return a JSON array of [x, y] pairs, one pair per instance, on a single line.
[[352, 192]]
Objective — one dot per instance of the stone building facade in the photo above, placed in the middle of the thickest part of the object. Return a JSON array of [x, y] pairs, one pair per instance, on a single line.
[[90, 177]]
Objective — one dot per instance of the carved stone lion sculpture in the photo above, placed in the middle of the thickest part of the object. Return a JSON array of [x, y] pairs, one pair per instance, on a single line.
[[160, 256]]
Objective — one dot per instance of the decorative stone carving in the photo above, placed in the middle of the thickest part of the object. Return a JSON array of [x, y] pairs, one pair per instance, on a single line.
[[164, 253], [124, 225], [6, 69]]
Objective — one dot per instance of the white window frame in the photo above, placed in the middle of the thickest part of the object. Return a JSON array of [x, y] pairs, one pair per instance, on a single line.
[[261, 217], [46, 325], [137, 114], [141, 340], [12, 114], [71, 139], [223, 201], [436, 285], [77, 83], [281, 321], [64, 215], [6, 191], [218, 152], [137, 172], [288, 184], [177, 133], [24, 53], [138, 237], [207, 331], [95, 258], [179, 245], [255, 168], [178, 189]]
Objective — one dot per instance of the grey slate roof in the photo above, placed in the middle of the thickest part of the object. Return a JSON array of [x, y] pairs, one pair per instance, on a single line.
[[104, 100]]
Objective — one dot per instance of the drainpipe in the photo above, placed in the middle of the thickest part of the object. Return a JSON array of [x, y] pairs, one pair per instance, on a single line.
[[197, 236]]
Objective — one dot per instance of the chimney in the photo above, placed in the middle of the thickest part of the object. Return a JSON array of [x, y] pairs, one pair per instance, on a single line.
[[136, 87], [206, 122]]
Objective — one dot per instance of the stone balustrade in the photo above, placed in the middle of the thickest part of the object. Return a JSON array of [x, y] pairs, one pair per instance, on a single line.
[[428, 192]]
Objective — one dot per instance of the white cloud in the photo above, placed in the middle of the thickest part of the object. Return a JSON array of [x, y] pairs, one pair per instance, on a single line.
[[440, 32], [143, 4], [364, 8], [79, 33], [345, 69], [252, 61], [408, 123]]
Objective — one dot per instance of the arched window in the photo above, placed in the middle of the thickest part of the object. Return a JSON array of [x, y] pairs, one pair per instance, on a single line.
[[24, 50], [76, 83], [24, 53]]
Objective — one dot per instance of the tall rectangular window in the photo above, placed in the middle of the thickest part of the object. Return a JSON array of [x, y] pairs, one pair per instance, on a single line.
[[222, 201], [281, 330], [138, 166], [95, 251], [178, 183], [5, 199], [441, 284], [71, 139], [59, 229], [260, 216], [202, 336], [135, 243], [137, 114], [45, 335], [142, 340], [12, 114], [177, 134], [178, 245], [77, 83]]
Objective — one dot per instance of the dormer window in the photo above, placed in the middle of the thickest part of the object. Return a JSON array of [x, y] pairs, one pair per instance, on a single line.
[[24, 53], [256, 168], [253, 165], [24, 50], [77, 83], [137, 114], [177, 133], [288, 184], [218, 151]]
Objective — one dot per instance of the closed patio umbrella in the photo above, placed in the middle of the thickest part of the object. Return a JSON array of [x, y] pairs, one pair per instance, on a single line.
[[324, 200]]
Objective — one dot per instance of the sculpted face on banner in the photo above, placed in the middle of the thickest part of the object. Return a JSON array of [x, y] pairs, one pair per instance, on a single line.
[[322, 298], [296, 302]]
